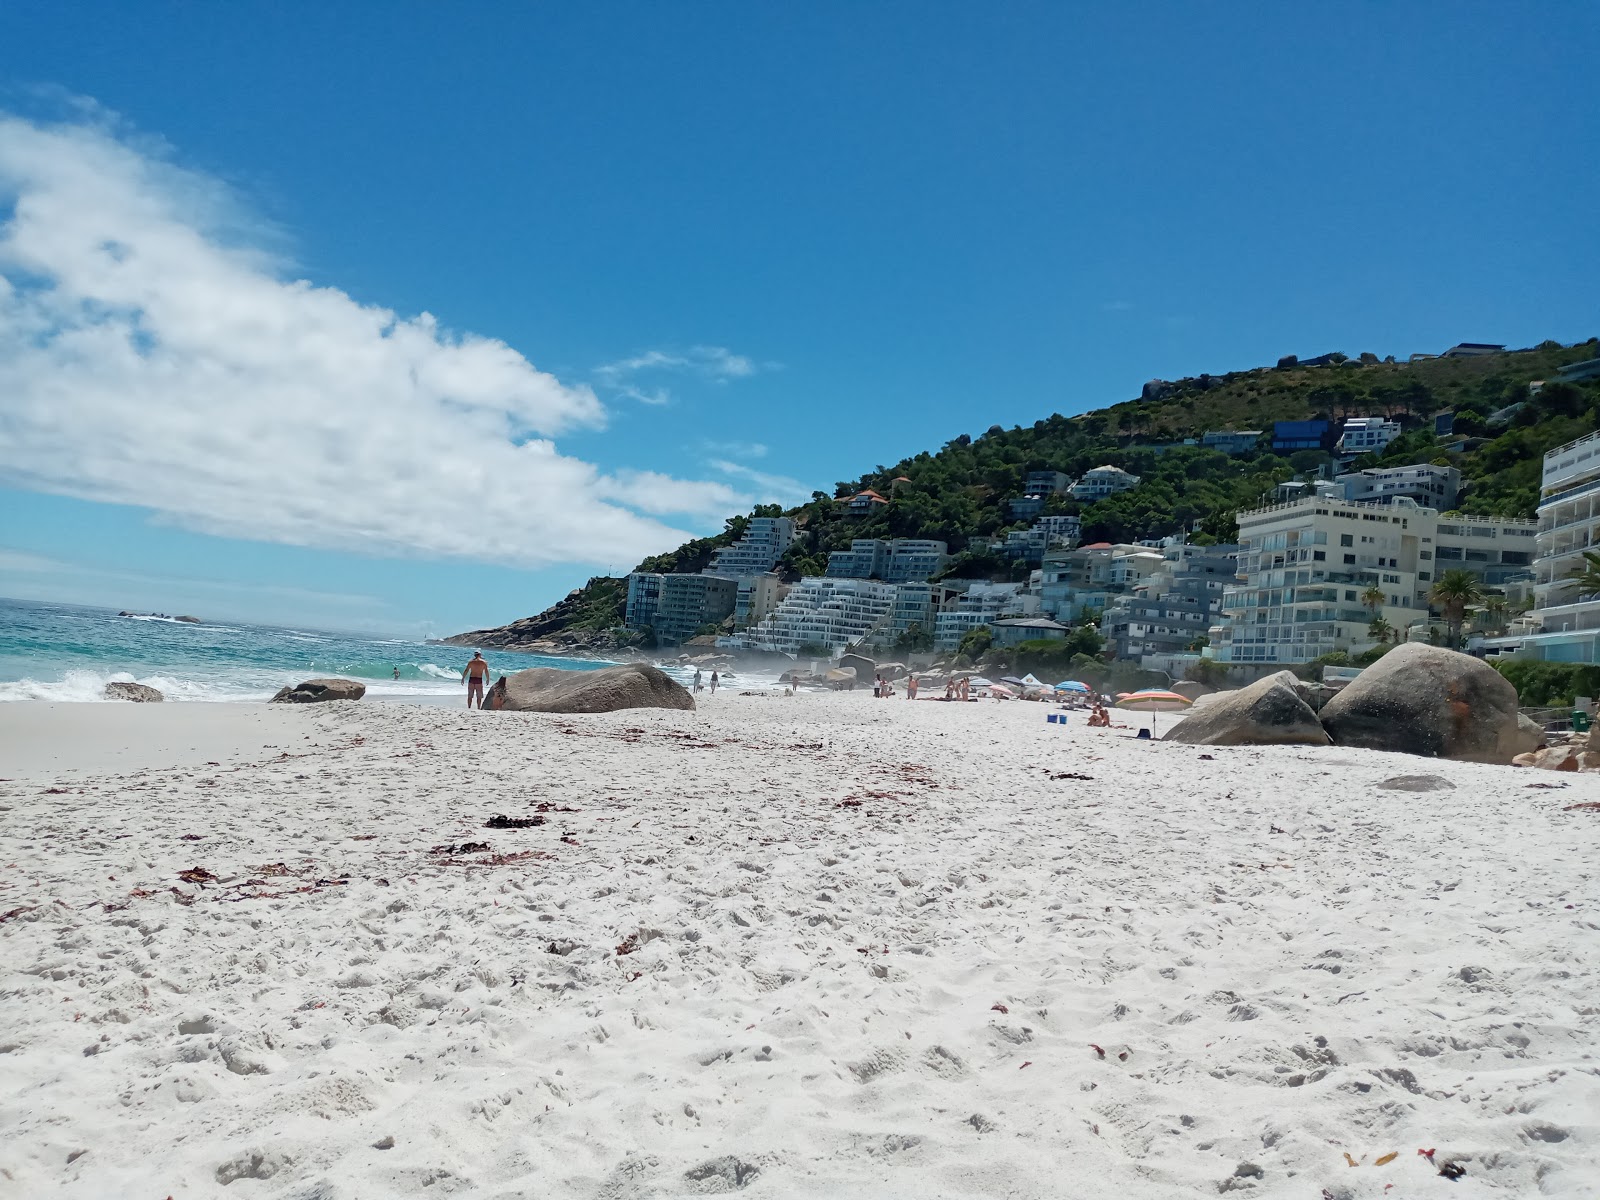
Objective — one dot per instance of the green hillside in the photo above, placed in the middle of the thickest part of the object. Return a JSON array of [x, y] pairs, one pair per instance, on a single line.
[[957, 494]]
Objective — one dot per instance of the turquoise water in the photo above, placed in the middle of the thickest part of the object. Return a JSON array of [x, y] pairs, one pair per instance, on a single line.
[[65, 652]]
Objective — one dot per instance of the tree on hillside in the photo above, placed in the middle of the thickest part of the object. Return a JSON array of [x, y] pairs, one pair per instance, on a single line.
[[915, 640], [1374, 599], [1452, 594], [975, 643]]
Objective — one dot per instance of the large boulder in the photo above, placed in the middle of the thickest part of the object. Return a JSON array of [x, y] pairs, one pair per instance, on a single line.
[[1427, 700], [553, 690], [139, 693], [1269, 712], [315, 691]]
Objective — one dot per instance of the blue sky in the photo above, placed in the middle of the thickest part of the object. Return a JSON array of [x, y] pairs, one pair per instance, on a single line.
[[713, 253]]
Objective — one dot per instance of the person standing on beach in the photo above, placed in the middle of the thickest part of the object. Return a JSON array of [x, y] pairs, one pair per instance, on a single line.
[[911, 688], [697, 679], [476, 673], [714, 678]]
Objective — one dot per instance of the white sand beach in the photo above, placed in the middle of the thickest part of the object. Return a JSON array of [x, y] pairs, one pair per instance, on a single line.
[[824, 946]]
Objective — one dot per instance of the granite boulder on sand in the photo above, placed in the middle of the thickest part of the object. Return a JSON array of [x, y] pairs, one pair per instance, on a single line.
[[553, 690], [1426, 700], [315, 691], [1271, 711]]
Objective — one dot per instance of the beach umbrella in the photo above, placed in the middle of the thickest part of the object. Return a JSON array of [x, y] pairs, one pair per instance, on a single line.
[[979, 681], [1029, 680], [1072, 685], [1001, 692], [1014, 681], [1152, 700]]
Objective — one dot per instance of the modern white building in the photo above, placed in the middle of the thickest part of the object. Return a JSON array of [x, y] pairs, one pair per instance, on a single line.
[[866, 559], [915, 560], [758, 595], [1429, 485], [1101, 482], [1165, 613], [1305, 566], [764, 542], [1569, 525], [678, 606], [1367, 435], [833, 613], [897, 561], [980, 604]]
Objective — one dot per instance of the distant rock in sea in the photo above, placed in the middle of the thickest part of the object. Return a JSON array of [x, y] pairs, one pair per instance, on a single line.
[[139, 693]]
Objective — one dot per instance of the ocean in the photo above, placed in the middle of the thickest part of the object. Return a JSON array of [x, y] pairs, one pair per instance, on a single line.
[[67, 652]]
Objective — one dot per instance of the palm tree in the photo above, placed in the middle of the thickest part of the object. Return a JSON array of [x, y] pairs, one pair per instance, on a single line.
[[1496, 609], [1380, 630], [1453, 593], [1373, 598], [1587, 577]]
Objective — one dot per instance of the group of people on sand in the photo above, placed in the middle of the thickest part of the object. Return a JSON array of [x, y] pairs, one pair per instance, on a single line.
[[699, 678], [1099, 718]]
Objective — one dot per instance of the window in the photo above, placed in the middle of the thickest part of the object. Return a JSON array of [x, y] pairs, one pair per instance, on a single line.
[[1318, 555], [1346, 539], [1350, 558], [1424, 554], [1424, 576], [1349, 595]]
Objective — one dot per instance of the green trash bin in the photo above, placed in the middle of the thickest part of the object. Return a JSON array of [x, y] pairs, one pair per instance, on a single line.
[[1580, 721]]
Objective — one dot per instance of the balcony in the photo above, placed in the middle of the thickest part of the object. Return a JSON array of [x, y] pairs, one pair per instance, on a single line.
[[1575, 460]]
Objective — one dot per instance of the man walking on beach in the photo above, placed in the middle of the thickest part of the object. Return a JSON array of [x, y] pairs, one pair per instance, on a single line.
[[476, 673]]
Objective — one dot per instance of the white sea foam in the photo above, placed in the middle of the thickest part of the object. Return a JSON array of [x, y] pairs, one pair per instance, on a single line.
[[81, 687]]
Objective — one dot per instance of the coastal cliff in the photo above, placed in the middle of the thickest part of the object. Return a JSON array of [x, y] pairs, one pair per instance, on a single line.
[[587, 620]]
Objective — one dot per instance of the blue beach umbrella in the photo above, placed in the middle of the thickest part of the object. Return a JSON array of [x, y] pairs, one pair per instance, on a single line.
[[1072, 685]]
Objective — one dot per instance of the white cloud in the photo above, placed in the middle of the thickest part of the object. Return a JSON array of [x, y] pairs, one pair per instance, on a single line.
[[737, 449], [769, 489], [710, 362], [152, 354], [656, 396]]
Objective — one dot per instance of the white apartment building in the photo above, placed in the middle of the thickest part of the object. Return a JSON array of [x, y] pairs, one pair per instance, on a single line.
[[866, 559], [1101, 482], [685, 603], [758, 595], [1061, 530], [835, 613], [900, 560], [914, 560], [915, 604], [1044, 534], [757, 552], [1367, 435], [980, 604], [1429, 485], [1569, 525], [1304, 567]]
